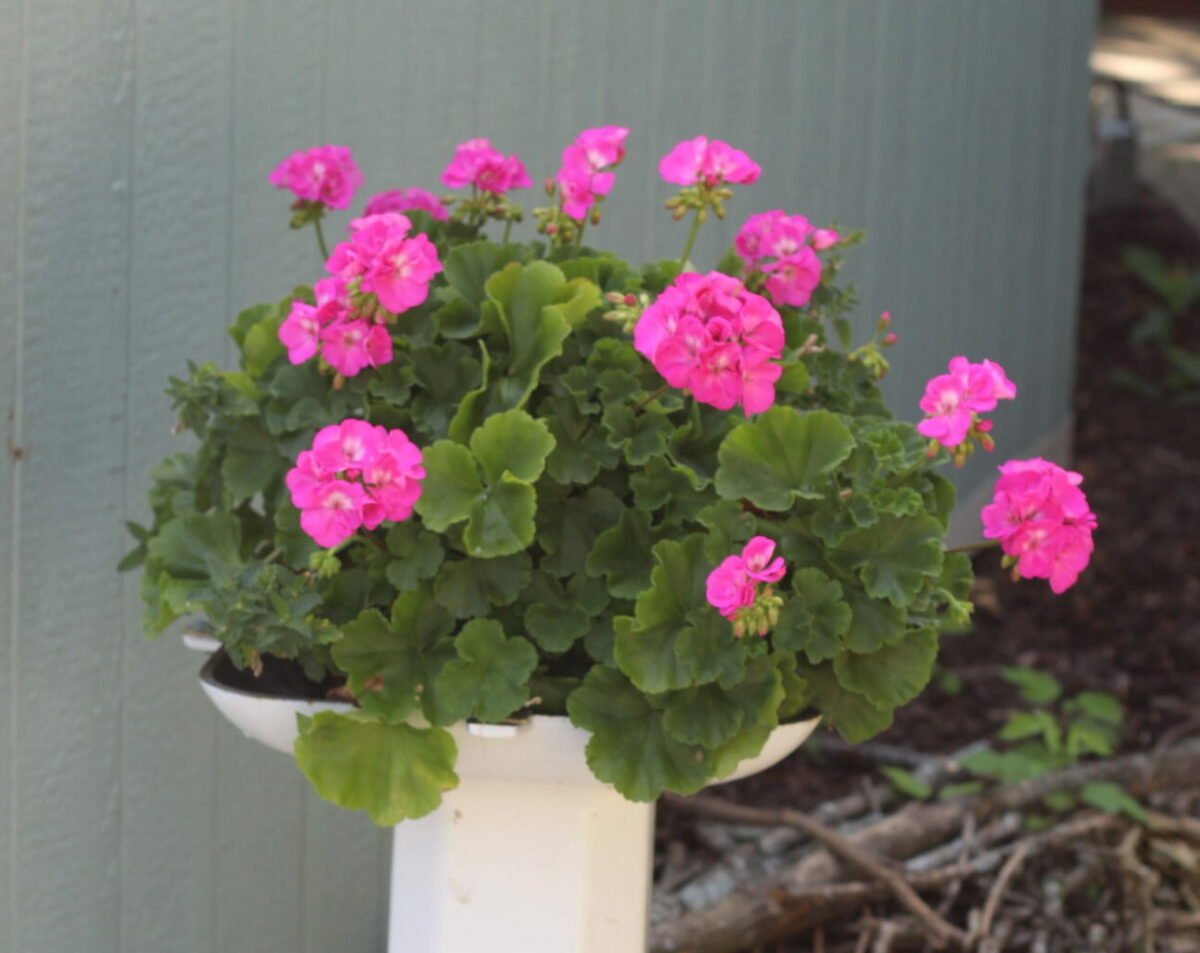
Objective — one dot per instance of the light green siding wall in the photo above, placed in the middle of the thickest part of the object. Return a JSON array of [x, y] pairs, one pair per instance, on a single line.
[[135, 138]]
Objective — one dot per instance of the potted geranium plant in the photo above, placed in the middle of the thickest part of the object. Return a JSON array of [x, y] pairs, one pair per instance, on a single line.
[[523, 522]]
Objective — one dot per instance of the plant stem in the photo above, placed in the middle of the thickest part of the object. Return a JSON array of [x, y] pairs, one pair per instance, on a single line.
[[507, 231], [691, 240], [650, 398], [975, 547], [321, 239], [579, 233]]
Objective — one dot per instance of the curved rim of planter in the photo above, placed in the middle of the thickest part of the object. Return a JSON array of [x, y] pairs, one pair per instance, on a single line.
[[269, 729]]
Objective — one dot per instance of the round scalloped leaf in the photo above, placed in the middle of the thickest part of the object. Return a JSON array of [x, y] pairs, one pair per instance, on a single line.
[[895, 674], [512, 442], [630, 748], [815, 619], [416, 555], [782, 456], [621, 555], [490, 678], [393, 772], [385, 660], [854, 716], [469, 587], [451, 486], [894, 557], [502, 519]]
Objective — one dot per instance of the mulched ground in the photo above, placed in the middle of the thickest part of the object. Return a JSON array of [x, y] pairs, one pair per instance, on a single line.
[[1131, 626]]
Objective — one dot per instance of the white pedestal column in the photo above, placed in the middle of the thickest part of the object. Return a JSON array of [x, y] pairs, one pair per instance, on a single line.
[[507, 866]]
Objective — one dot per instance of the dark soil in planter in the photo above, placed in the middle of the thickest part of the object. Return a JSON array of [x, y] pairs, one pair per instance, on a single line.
[[279, 678], [1131, 626]]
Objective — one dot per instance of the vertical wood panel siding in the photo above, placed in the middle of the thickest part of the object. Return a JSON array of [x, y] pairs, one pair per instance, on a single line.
[[135, 220]]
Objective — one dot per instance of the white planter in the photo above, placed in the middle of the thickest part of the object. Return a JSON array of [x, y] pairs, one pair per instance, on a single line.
[[529, 854]]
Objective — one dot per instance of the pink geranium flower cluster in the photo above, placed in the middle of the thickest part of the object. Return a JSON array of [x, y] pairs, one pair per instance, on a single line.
[[356, 475], [407, 200], [733, 587], [784, 248], [708, 162], [709, 335], [346, 342], [586, 174], [1042, 520], [380, 272], [953, 402], [477, 163], [325, 174]]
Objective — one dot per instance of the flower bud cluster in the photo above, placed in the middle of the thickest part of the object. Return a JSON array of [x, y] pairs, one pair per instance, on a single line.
[[782, 249], [739, 588], [380, 272], [953, 402]]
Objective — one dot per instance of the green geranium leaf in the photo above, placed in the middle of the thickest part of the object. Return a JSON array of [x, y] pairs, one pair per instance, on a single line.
[[630, 748], [556, 619], [569, 525], [894, 557], [815, 620], [580, 450], [874, 623], [675, 640], [262, 346], [680, 491], [467, 269], [622, 555], [473, 407], [451, 487], [854, 716], [759, 695], [782, 456], [556, 627], [490, 678], [416, 555], [197, 546], [512, 442], [251, 461], [470, 587], [501, 521], [392, 771], [446, 373], [704, 716], [386, 659], [895, 674], [639, 435], [525, 297]]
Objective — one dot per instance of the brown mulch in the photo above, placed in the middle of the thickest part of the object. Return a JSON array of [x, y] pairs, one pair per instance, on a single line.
[[1131, 626]]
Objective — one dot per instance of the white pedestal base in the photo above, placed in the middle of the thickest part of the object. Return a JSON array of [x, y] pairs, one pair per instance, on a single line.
[[516, 867]]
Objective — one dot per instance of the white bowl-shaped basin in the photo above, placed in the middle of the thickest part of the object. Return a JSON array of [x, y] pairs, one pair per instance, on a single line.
[[545, 748]]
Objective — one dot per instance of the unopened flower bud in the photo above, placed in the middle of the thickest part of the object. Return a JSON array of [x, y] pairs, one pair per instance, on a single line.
[[615, 297], [884, 320], [549, 185], [631, 300], [890, 338], [551, 229], [594, 217]]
